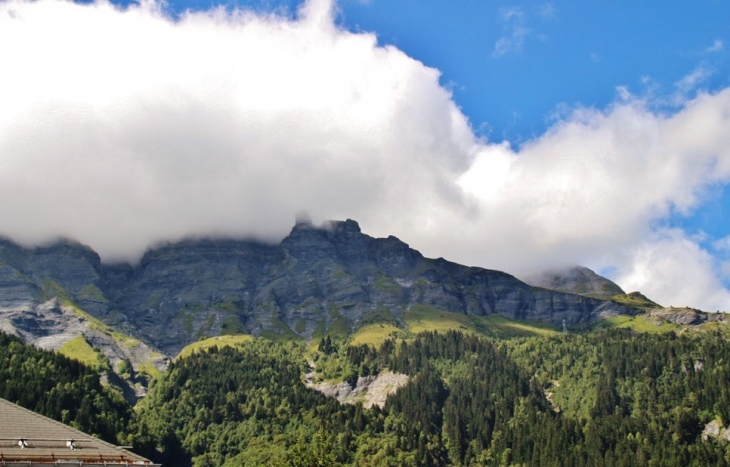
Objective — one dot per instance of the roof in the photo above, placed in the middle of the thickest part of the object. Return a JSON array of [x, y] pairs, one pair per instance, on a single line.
[[29, 439]]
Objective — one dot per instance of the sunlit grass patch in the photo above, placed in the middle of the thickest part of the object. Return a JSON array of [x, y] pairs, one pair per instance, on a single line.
[[150, 370], [79, 349], [636, 300], [217, 341], [499, 326], [640, 323], [420, 318], [375, 334]]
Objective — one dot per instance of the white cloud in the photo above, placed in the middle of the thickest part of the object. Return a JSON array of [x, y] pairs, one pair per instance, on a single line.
[[124, 127], [592, 187], [717, 46], [693, 80], [512, 43], [722, 244], [548, 11], [672, 266], [601, 178], [507, 14], [514, 23]]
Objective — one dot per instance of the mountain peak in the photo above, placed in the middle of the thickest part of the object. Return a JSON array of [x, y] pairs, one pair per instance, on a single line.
[[576, 280], [302, 218], [348, 227]]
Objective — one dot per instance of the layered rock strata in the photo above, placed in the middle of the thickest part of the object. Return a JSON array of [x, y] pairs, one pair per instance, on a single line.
[[316, 280]]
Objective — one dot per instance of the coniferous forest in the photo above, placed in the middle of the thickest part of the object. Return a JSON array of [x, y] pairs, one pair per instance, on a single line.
[[600, 398]]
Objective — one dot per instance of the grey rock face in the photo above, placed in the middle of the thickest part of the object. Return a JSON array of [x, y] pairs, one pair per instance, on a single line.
[[369, 390], [683, 316], [322, 279], [64, 270], [50, 295], [715, 430], [18, 291]]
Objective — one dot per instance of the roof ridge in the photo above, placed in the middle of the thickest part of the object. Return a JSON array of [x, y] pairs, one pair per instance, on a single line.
[[48, 419], [77, 435]]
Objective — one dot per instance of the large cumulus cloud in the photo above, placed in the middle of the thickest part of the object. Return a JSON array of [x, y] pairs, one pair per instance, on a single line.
[[122, 127], [596, 188]]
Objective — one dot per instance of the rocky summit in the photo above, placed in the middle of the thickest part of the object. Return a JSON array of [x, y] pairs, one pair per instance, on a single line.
[[317, 280], [576, 280]]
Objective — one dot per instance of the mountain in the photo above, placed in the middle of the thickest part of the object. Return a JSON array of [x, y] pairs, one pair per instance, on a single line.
[[652, 393], [317, 280], [576, 280], [582, 281]]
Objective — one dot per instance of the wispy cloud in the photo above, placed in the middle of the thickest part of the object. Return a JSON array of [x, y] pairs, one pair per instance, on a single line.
[[515, 25], [686, 87], [513, 20], [512, 43], [694, 79], [717, 46], [514, 13], [547, 11], [722, 245]]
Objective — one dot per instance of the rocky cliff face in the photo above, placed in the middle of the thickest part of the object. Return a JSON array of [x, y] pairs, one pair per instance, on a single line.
[[369, 390], [316, 280], [51, 296]]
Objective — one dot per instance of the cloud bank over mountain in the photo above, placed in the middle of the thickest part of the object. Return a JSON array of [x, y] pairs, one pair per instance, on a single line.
[[124, 127]]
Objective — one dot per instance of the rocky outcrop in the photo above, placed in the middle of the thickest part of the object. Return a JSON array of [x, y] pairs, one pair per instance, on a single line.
[[317, 279], [715, 430], [683, 316], [369, 390], [54, 325]]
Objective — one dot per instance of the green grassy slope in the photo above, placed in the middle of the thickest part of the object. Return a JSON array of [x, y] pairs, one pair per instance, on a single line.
[[218, 341]]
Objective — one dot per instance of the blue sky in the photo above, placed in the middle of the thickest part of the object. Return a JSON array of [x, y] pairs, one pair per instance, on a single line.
[[553, 53], [519, 136]]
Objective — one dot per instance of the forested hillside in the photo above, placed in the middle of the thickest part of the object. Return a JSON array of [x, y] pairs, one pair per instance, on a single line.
[[629, 399], [63, 389], [603, 398]]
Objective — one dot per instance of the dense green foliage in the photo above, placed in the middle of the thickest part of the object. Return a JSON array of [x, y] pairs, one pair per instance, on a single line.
[[629, 399], [640, 399], [487, 411], [63, 389], [603, 398], [248, 406]]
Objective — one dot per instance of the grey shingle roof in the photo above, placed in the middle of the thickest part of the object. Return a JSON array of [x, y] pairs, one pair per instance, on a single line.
[[48, 441]]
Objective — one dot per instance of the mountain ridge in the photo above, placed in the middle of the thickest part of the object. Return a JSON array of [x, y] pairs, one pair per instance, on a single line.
[[316, 280]]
